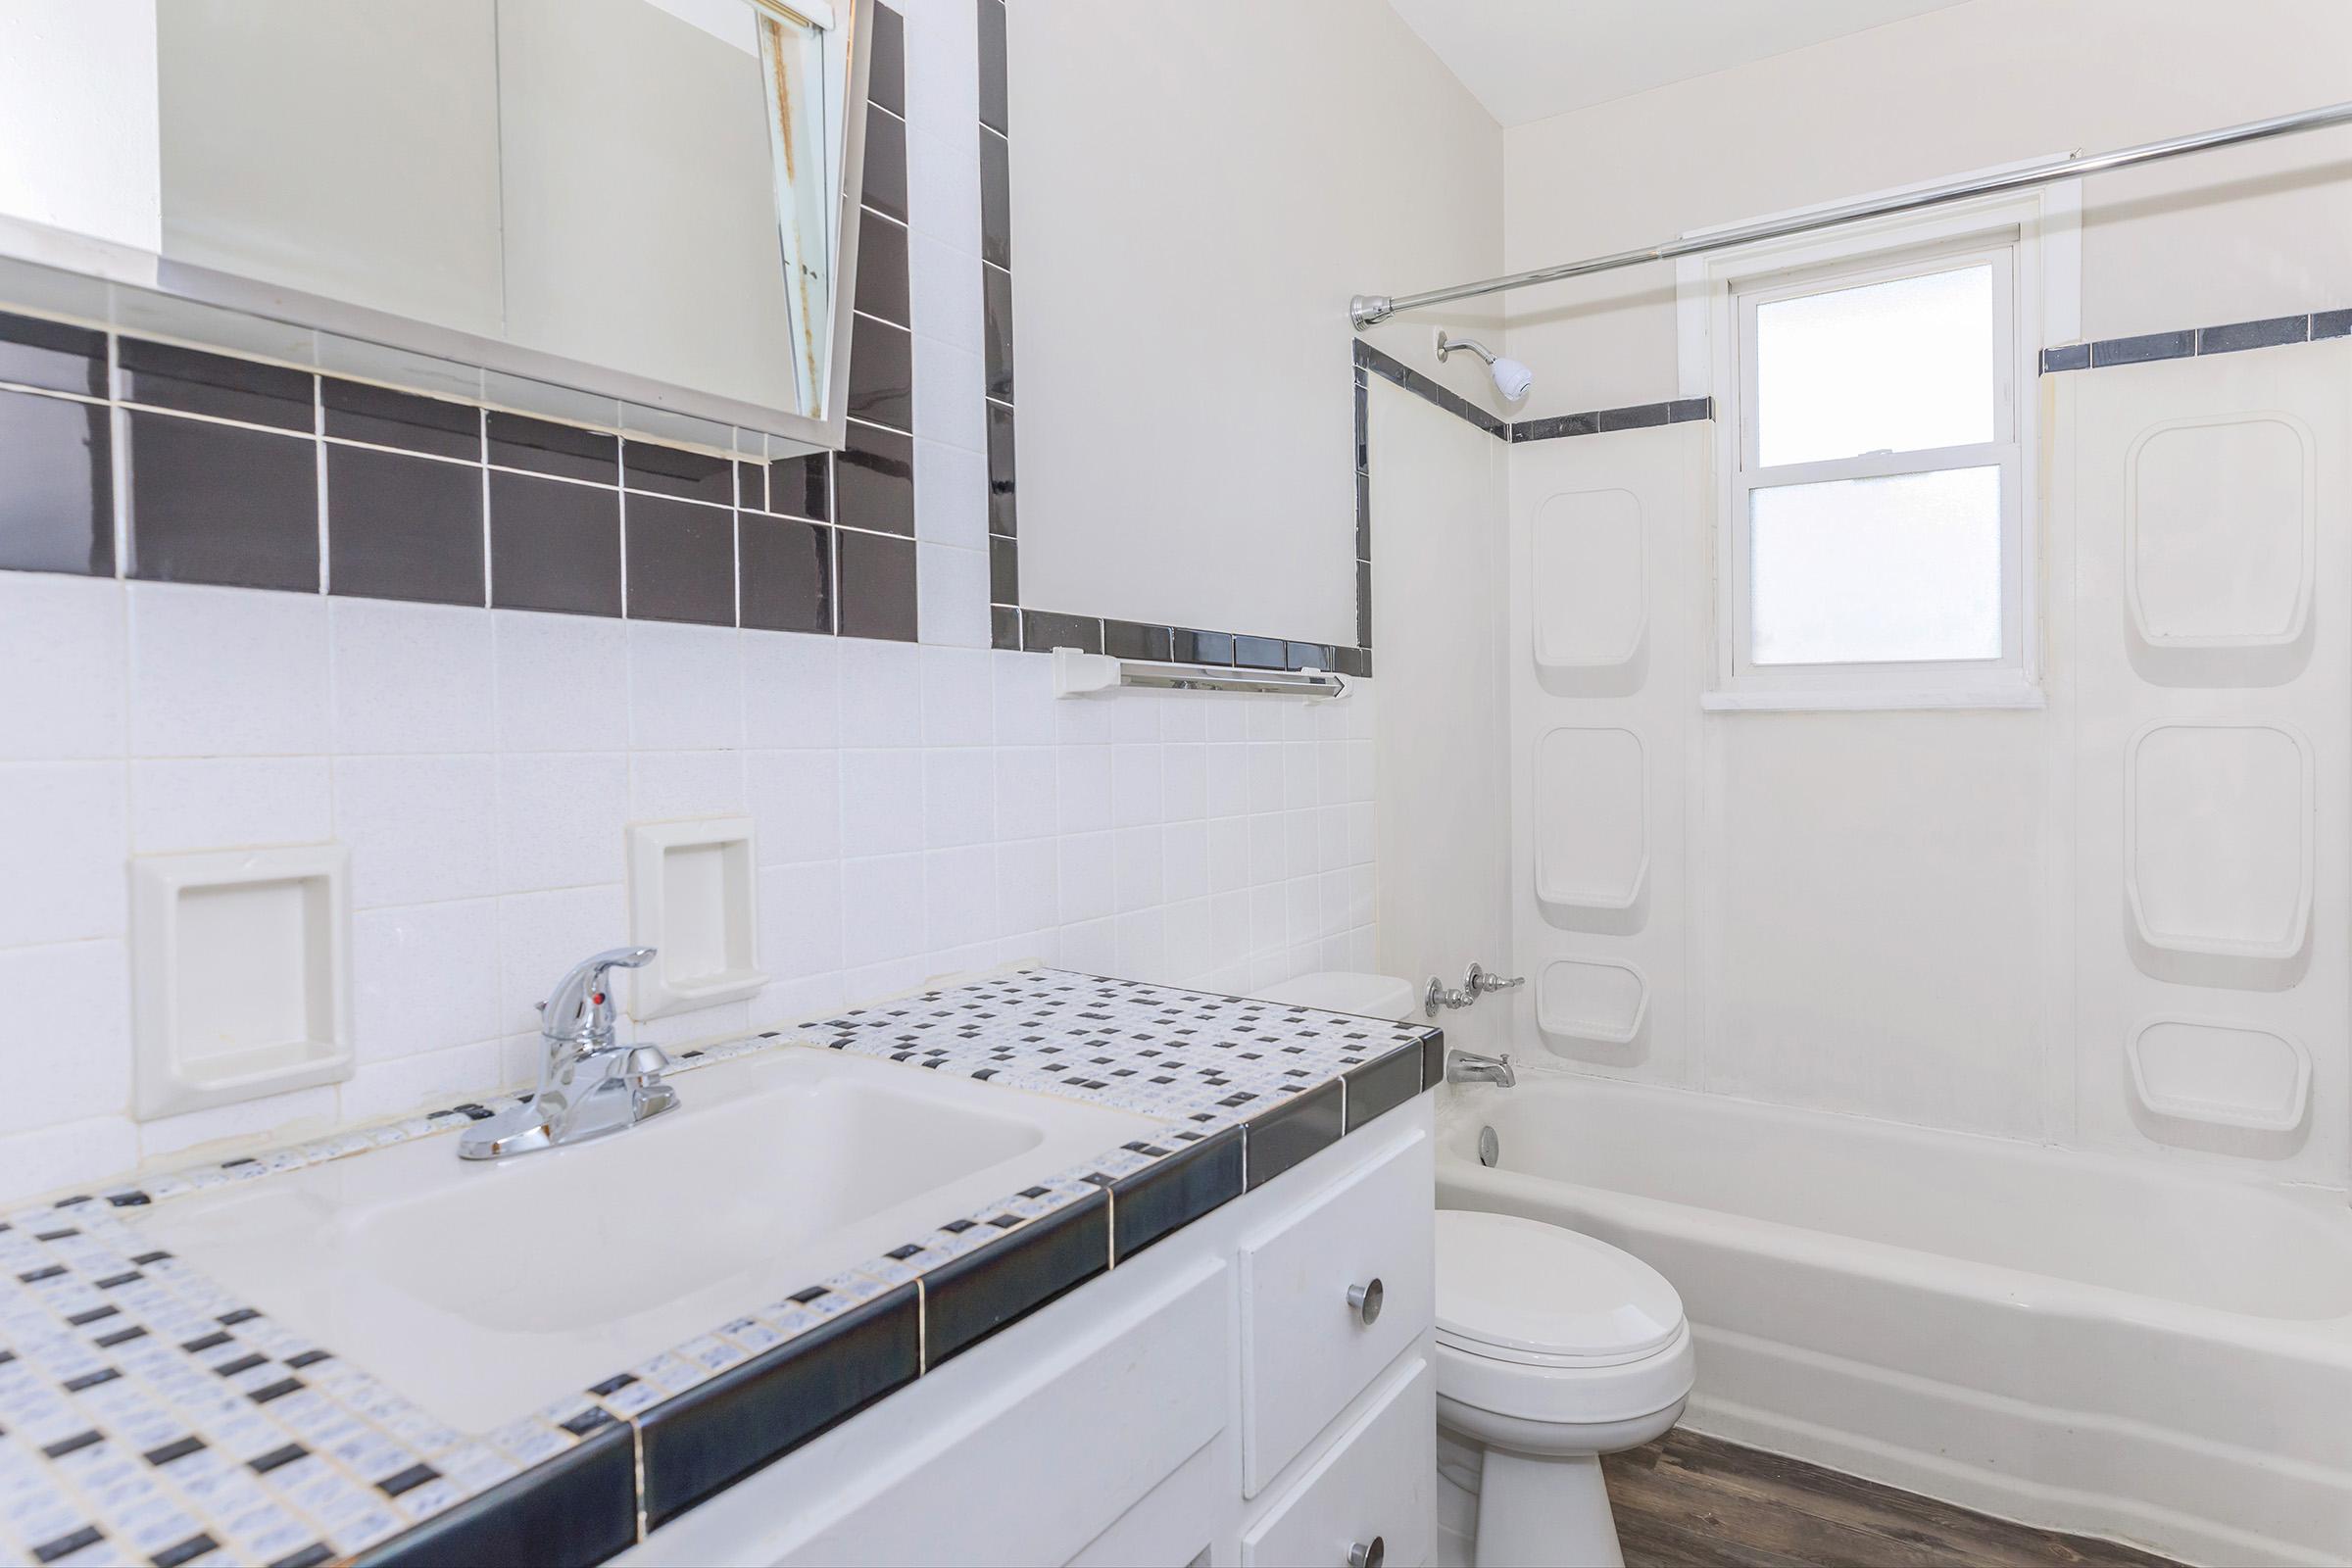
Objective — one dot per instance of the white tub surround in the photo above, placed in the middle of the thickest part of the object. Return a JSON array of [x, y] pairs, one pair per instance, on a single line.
[[260, 1436], [2077, 1341]]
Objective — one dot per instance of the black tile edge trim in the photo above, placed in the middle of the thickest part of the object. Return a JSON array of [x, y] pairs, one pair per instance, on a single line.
[[1380, 1086], [579, 1508], [752, 1415], [1433, 1060], [1159, 1202], [2230, 337], [1600, 422], [1398, 373], [968, 1298], [1293, 1132]]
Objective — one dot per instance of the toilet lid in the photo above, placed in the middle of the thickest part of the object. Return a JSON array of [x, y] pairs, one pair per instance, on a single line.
[[1524, 1288]]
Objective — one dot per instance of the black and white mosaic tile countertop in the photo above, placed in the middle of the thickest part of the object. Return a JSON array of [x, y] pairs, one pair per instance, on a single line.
[[147, 1415]]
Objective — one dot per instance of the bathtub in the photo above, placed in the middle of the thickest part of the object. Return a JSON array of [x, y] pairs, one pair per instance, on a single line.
[[2109, 1346]]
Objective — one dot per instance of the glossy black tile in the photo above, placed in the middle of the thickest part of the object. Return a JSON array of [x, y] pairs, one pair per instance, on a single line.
[[1295, 1131], [1188, 647], [681, 561], [553, 546], [993, 99], [751, 486], [1363, 516], [886, 163], [2141, 350], [2236, 335], [751, 1415], [1682, 411], [882, 273], [541, 446], [802, 487], [1004, 570], [786, 567], [996, 309], [1363, 424], [195, 382], [1353, 660], [56, 503], [52, 355], [1379, 1086], [1363, 604], [1003, 500], [886, 83], [882, 375], [1433, 1058], [1308, 656], [217, 504], [677, 472], [403, 527], [876, 597], [1041, 629], [970, 1298], [1176, 1191], [1003, 627], [1640, 417], [2068, 357], [873, 477], [357, 411], [1556, 426], [577, 1509], [996, 200], [1261, 652], [2330, 323], [1127, 639]]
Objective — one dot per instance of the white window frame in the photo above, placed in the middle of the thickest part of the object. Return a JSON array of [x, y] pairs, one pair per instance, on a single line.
[[2031, 241]]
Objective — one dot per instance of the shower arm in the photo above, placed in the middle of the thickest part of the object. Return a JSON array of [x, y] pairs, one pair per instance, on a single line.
[[1366, 310]]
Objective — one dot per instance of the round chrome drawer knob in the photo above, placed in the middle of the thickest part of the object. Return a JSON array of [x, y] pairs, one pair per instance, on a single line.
[[1366, 1300], [1368, 1554]]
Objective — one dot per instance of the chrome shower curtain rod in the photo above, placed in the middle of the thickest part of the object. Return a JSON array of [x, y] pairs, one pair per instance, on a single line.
[[1366, 309]]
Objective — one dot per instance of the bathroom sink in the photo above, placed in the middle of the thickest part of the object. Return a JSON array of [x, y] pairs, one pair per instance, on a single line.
[[483, 1291]]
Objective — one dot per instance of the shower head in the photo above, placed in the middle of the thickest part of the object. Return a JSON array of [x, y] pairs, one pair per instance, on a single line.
[[1511, 379]]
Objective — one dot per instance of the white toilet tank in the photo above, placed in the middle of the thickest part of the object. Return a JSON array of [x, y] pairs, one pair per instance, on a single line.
[[1367, 996]]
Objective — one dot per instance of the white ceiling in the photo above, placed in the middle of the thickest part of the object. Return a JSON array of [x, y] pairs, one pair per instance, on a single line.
[[1529, 59]]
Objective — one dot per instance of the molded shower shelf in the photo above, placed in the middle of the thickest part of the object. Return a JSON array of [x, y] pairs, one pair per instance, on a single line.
[[1590, 1001], [2218, 838], [1591, 828], [1587, 584], [2223, 1074], [2221, 532]]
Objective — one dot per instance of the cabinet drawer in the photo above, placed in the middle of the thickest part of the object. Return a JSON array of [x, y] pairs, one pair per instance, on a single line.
[[1378, 1484], [1305, 1347]]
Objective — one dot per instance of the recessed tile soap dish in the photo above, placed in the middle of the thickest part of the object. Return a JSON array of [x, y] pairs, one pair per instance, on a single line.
[[693, 896], [243, 975]]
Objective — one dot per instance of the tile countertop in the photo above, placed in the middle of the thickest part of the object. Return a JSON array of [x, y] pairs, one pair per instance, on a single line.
[[148, 1415]]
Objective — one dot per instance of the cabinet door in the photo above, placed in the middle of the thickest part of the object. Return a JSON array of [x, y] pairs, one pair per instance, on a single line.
[[1376, 1489], [1306, 1349], [342, 148]]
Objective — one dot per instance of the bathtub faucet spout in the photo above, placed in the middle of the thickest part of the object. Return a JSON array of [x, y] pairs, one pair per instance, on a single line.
[[1469, 1067]]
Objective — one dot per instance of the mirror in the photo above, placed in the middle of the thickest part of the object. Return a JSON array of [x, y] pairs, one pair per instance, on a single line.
[[644, 199]]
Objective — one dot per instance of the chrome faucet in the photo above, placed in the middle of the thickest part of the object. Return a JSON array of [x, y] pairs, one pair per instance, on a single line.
[[1476, 984], [1469, 1067], [589, 1084]]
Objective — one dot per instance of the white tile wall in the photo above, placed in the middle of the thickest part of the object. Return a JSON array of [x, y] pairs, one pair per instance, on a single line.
[[920, 809]]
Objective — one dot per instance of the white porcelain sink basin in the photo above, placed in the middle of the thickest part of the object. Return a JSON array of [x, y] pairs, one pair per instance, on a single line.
[[483, 1291]]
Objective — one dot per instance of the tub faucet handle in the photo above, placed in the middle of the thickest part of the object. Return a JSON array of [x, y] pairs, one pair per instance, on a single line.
[[1479, 982]]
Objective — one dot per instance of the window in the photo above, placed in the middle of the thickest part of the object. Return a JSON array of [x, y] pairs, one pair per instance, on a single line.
[[1876, 525]]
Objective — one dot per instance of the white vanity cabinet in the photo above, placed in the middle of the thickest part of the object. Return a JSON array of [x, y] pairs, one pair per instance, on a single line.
[[1228, 1396]]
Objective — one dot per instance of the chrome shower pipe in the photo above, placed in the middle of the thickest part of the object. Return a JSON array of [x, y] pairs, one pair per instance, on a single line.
[[1367, 309]]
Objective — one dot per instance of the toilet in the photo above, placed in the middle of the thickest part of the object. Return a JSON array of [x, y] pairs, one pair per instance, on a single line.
[[1552, 1348]]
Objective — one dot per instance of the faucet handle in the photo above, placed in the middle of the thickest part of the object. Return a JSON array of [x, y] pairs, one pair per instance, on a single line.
[[643, 1066], [1478, 982], [579, 1011]]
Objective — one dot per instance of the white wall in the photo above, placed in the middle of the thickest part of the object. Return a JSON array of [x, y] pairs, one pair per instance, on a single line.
[[1443, 807], [1196, 191], [78, 118], [1921, 915], [2238, 235]]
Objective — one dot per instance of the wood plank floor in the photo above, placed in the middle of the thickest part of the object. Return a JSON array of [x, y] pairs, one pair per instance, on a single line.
[[1689, 1502]]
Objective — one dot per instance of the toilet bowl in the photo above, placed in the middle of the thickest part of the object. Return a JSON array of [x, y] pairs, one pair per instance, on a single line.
[[1552, 1350]]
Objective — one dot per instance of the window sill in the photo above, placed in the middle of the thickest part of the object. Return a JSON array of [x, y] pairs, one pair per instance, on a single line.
[[2020, 696]]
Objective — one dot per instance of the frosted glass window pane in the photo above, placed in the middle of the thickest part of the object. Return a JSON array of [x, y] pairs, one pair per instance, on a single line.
[[1893, 570], [1896, 366]]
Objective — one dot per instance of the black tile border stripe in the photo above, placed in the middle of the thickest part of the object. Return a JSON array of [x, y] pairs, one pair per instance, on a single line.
[[1591, 421], [2231, 337]]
